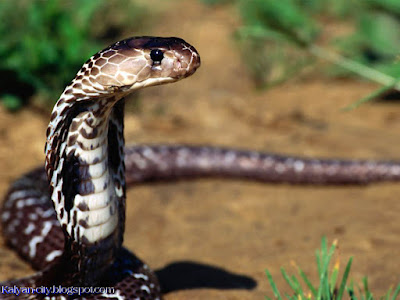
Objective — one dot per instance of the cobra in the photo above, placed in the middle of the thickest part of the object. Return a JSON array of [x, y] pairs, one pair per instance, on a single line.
[[68, 220], [85, 168]]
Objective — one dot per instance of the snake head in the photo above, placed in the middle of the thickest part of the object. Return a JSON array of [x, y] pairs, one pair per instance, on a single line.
[[139, 62]]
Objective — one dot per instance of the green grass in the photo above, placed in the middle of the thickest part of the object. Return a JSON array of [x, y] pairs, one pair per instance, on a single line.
[[329, 286], [278, 39], [44, 43]]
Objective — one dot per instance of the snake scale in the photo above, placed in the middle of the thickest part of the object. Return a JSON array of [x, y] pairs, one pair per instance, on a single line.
[[67, 219]]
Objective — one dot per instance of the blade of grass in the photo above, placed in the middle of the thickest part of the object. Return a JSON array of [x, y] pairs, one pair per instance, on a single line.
[[308, 283], [375, 94], [328, 280], [361, 293], [334, 276], [299, 290], [396, 292], [294, 284], [288, 296], [337, 59], [323, 290], [319, 254], [350, 291], [318, 259], [353, 66], [344, 279], [326, 293], [366, 289], [289, 280], [273, 285], [387, 295]]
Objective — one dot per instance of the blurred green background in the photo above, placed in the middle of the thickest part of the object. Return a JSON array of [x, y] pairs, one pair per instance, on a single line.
[[313, 43], [45, 42]]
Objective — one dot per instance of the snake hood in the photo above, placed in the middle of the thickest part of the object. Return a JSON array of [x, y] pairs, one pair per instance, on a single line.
[[114, 72], [84, 147]]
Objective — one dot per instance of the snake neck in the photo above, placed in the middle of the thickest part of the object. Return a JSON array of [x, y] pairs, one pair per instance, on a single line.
[[85, 167]]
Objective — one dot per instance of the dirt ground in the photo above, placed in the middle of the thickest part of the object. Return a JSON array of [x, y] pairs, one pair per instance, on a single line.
[[243, 227]]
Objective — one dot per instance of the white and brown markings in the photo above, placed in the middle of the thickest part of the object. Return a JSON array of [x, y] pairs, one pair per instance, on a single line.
[[85, 167]]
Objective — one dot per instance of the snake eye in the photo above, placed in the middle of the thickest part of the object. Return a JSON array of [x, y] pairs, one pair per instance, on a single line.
[[156, 55]]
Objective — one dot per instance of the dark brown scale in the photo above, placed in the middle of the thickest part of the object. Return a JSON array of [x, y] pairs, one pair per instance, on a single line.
[[94, 72], [83, 223], [59, 176], [89, 121], [85, 188], [51, 189], [96, 56], [47, 133], [57, 161], [106, 54], [72, 139], [52, 117], [60, 102], [75, 125], [100, 62], [66, 108], [90, 135], [55, 141], [69, 101], [116, 59], [77, 85], [74, 218], [83, 206], [70, 176], [52, 159], [83, 172], [86, 82], [91, 147]]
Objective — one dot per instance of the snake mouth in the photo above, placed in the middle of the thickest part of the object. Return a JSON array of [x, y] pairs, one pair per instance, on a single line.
[[186, 63], [195, 63]]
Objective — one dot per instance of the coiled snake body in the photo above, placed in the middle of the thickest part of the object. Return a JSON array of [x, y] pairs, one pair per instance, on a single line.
[[79, 241]]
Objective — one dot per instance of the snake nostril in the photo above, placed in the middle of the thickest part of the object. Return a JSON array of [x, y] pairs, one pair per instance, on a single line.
[[156, 55]]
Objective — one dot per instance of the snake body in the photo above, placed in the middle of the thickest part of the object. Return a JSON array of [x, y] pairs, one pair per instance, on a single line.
[[85, 169], [68, 219]]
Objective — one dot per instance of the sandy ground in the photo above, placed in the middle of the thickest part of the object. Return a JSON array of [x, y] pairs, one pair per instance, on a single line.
[[242, 227]]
